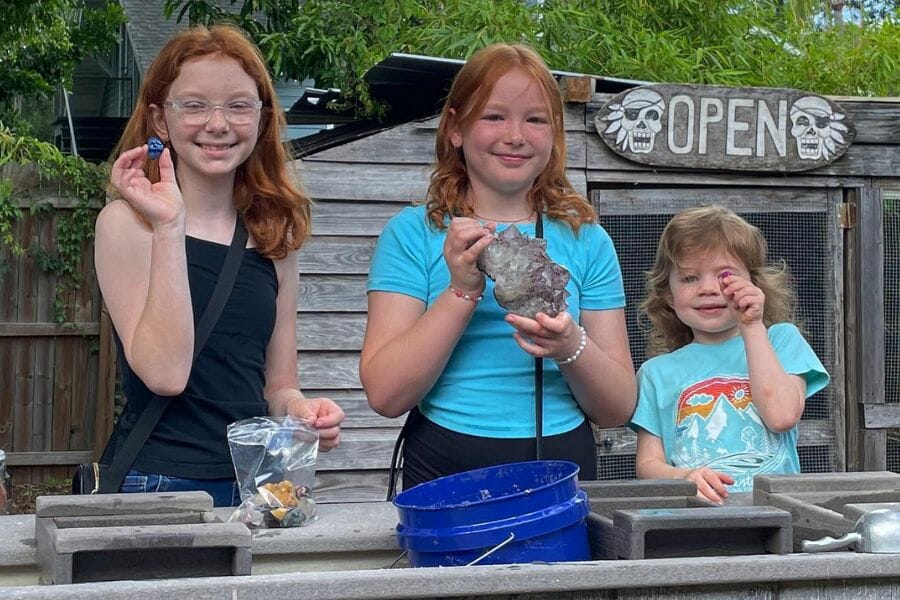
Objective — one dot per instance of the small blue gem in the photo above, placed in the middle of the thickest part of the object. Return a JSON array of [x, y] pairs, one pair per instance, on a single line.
[[154, 147]]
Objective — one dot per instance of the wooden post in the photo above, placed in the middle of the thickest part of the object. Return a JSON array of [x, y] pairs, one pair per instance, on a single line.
[[869, 277], [106, 384]]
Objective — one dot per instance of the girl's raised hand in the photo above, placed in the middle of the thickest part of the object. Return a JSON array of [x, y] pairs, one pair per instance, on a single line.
[[553, 337], [159, 203], [747, 300], [466, 239], [710, 484]]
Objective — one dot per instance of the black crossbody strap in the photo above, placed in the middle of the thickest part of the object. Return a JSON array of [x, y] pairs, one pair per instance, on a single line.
[[111, 480], [539, 376]]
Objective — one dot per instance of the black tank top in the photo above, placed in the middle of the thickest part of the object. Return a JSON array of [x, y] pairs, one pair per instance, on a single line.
[[227, 379]]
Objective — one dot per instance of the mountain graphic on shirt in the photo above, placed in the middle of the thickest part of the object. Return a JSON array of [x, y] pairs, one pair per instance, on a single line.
[[717, 426], [702, 398]]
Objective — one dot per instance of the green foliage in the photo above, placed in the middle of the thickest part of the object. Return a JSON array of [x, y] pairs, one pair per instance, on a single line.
[[40, 45], [42, 42], [774, 43], [77, 179]]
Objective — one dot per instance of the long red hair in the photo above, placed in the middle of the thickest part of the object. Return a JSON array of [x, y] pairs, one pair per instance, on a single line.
[[551, 193], [276, 211]]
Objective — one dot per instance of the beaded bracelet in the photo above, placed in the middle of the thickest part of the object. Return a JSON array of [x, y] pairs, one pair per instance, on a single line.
[[581, 345], [465, 296]]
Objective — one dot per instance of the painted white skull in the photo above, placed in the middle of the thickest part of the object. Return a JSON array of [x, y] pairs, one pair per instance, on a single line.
[[816, 128], [637, 120]]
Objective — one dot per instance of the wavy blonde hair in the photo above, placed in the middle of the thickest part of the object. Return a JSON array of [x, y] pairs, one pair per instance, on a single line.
[[551, 193], [276, 211], [704, 229]]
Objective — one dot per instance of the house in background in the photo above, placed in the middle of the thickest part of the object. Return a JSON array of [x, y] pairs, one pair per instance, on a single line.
[[104, 89]]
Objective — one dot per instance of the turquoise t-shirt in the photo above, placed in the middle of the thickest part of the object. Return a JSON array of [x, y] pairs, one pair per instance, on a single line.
[[487, 387], [697, 400]]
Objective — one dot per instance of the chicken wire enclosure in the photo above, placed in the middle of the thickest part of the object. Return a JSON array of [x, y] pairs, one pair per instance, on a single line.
[[891, 229], [801, 228]]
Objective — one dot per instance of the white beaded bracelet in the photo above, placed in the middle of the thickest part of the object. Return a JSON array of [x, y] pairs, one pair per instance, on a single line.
[[581, 345]]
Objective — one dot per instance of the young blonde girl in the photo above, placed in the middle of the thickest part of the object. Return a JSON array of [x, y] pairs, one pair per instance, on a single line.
[[160, 246], [436, 338], [721, 399]]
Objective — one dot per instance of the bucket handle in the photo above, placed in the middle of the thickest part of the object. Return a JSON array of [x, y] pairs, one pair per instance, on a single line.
[[511, 537]]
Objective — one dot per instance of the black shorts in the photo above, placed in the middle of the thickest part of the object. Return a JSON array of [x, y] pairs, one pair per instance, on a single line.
[[431, 451]]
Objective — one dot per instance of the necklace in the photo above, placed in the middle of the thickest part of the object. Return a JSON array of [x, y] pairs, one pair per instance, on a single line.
[[525, 218]]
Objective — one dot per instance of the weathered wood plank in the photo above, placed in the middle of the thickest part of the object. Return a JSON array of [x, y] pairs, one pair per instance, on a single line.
[[881, 416], [350, 181], [359, 449], [84, 395], [331, 331], [332, 293], [24, 459], [352, 218], [99, 424], [42, 390], [7, 367], [836, 391], [713, 178], [403, 184], [23, 397], [8, 281], [409, 144], [336, 255], [860, 160], [368, 485], [640, 201], [328, 370], [81, 328], [63, 392], [357, 410]]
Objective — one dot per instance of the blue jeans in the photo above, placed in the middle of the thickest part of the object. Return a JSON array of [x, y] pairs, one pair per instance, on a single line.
[[224, 492]]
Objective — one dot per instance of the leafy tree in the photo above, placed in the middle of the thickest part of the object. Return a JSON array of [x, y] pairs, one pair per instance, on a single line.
[[40, 45], [728, 42]]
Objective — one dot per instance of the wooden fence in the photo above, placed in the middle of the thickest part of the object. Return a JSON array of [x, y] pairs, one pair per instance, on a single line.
[[56, 391]]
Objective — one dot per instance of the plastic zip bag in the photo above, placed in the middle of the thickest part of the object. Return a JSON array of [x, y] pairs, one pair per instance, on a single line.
[[275, 464]]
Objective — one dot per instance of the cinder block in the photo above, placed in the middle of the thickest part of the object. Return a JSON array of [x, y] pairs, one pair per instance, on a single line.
[[685, 532], [827, 482], [638, 488], [136, 536]]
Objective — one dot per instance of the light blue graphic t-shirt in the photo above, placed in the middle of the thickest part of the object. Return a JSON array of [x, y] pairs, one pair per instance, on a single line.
[[697, 400]]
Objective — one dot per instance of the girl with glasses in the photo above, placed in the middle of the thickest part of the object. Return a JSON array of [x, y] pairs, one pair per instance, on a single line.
[[161, 242]]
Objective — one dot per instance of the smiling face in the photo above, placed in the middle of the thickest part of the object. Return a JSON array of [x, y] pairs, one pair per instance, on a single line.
[[509, 143], [217, 148], [695, 294]]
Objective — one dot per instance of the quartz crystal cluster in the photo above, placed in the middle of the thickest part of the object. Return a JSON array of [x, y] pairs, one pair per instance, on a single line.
[[526, 280]]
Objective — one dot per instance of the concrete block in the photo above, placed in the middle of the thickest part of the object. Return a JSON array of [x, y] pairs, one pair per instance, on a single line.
[[822, 482], [687, 532], [109, 538], [122, 504], [638, 488]]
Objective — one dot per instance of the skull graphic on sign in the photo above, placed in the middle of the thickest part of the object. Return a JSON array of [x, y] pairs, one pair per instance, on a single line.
[[816, 127], [637, 120]]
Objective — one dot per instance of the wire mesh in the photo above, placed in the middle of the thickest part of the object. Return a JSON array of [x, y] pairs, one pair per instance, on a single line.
[[891, 225], [891, 201], [803, 240]]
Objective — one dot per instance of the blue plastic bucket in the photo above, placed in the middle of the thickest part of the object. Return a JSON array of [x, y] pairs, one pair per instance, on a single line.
[[536, 508]]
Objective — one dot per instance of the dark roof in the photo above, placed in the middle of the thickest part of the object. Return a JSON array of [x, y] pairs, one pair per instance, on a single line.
[[412, 86], [148, 30]]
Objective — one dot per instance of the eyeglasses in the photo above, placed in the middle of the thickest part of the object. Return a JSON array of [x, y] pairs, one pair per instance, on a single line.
[[196, 112]]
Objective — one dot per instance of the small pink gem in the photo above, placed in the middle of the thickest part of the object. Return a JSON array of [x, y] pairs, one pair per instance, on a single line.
[[725, 274]]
